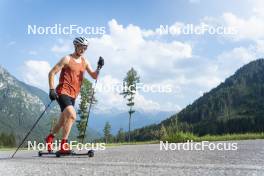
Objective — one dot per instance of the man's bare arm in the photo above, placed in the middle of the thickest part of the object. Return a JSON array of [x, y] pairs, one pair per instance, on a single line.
[[89, 69], [64, 61]]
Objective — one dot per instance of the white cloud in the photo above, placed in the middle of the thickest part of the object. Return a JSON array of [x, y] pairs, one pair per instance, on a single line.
[[147, 105], [125, 47], [148, 33], [258, 7], [251, 28], [150, 105], [239, 55], [229, 61], [108, 100], [207, 81], [247, 27], [159, 62], [260, 48], [36, 73], [112, 98], [62, 47]]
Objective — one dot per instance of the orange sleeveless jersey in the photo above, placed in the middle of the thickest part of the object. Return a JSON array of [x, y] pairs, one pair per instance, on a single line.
[[71, 78]]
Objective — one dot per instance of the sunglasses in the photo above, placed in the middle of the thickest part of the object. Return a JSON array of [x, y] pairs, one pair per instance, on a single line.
[[82, 46]]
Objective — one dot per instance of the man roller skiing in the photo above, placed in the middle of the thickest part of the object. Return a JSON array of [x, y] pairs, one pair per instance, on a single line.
[[72, 69]]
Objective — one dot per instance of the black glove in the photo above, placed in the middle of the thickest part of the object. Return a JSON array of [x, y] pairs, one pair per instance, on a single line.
[[53, 95], [100, 63]]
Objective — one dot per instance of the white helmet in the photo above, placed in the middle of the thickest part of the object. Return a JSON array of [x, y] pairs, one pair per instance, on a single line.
[[81, 41]]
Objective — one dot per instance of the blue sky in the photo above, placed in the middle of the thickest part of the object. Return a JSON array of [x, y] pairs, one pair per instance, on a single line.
[[191, 64]]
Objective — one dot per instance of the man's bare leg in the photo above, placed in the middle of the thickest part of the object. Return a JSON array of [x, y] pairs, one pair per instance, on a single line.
[[59, 124], [69, 115], [55, 130]]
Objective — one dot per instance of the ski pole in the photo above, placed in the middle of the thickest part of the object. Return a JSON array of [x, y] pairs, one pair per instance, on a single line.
[[31, 129], [100, 64]]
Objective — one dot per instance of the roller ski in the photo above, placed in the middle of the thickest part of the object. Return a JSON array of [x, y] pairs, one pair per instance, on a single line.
[[64, 149], [90, 153]]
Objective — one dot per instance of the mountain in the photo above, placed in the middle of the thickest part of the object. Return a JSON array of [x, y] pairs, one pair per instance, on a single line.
[[21, 105], [119, 120], [235, 106]]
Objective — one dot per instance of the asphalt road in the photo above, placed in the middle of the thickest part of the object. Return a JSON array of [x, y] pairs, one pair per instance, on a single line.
[[248, 159]]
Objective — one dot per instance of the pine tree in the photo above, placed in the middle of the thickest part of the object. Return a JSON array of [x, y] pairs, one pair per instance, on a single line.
[[107, 132], [86, 96], [120, 135], [129, 91], [163, 133]]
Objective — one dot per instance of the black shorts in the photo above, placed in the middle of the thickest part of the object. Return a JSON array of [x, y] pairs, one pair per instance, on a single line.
[[64, 101]]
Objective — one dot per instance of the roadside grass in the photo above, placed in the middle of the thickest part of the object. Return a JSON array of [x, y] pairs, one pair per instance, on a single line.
[[231, 137], [131, 143], [3, 148], [178, 138], [184, 137]]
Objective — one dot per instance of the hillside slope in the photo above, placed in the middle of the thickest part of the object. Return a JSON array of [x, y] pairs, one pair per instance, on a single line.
[[235, 106]]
